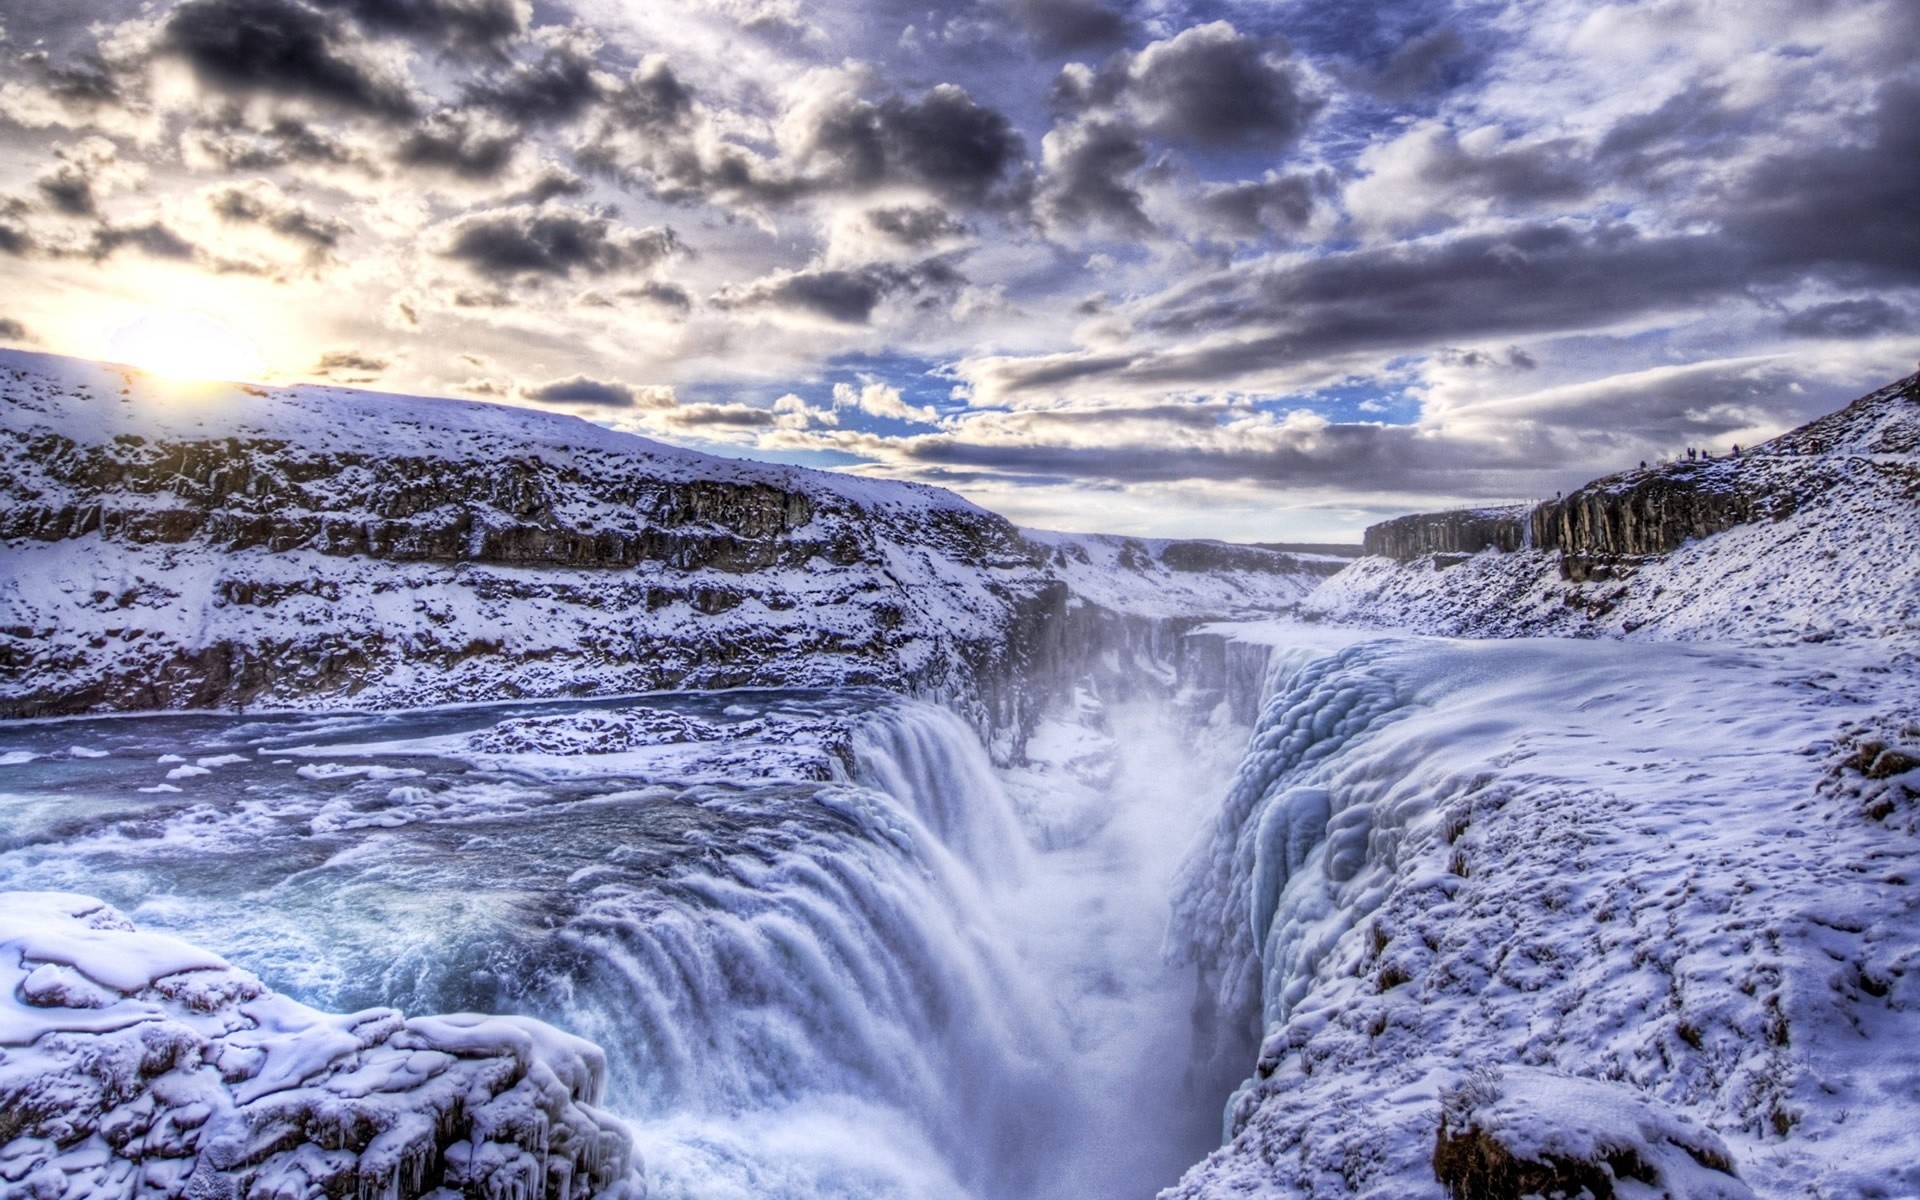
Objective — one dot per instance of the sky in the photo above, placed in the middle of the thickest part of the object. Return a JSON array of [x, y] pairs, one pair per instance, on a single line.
[[1256, 271]]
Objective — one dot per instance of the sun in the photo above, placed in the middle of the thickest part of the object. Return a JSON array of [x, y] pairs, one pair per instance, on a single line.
[[186, 346]]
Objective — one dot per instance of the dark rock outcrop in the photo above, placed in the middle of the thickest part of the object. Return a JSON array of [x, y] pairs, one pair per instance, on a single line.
[[1460, 532]]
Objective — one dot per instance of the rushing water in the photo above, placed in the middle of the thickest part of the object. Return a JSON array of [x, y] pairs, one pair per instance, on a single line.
[[826, 953]]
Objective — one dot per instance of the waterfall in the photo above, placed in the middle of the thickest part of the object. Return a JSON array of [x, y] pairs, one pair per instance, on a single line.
[[931, 764]]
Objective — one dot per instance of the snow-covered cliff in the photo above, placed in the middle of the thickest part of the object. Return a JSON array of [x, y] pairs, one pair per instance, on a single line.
[[237, 546], [1812, 536]]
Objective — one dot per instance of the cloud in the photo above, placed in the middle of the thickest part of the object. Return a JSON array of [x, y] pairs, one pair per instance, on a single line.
[[1427, 63], [464, 25], [914, 226], [350, 366], [85, 173], [1089, 167], [553, 241], [261, 203], [957, 149], [152, 238], [1857, 318], [1065, 25], [467, 144], [69, 190], [1272, 207], [1433, 177], [561, 84], [287, 49], [840, 297], [1843, 206], [13, 331], [578, 389], [878, 399], [1212, 86]]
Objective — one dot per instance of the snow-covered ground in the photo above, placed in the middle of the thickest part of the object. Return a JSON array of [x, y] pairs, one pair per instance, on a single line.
[[1654, 882]]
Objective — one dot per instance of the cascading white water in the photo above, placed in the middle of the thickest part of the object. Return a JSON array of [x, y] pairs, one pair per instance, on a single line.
[[817, 972], [933, 766]]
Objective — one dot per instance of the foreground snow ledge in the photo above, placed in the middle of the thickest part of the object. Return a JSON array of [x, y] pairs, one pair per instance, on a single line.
[[134, 1062]]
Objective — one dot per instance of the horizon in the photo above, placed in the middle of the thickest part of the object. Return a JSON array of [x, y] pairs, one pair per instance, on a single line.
[[1251, 272]]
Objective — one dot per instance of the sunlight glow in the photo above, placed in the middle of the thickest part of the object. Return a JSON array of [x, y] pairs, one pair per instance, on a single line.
[[189, 346]]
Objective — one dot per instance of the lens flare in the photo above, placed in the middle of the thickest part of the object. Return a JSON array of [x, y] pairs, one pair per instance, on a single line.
[[186, 346]]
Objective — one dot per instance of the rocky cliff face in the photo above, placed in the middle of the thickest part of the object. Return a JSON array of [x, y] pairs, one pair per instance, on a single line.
[[238, 547], [1460, 532], [1727, 547]]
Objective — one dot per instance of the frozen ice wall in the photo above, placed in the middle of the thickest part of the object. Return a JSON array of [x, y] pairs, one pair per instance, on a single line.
[[1628, 875]]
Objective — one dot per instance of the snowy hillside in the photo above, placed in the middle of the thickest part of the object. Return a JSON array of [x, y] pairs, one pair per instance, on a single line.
[[1810, 537], [238, 546]]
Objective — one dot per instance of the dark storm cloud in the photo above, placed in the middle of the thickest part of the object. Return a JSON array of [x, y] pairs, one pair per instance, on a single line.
[[351, 362], [150, 238], [1261, 208], [914, 226], [15, 239], [579, 389], [1397, 299], [719, 416], [845, 297], [1851, 209], [554, 241], [264, 206], [944, 140], [1353, 457], [556, 87], [458, 24], [285, 141], [552, 183], [651, 99], [1212, 86], [1090, 166], [1430, 62], [1693, 122], [1068, 25], [1847, 319], [460, 142], [1610, 424], [280, 48], [89, 81], [666, 295], [68, 189]]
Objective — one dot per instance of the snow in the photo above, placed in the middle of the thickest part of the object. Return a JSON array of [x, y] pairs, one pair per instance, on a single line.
[[895, 585], [1643, 866], [1135, 575], [1839, 559], [134, 1061]]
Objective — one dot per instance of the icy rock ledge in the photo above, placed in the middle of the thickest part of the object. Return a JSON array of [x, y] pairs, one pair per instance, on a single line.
[[1508, 1134], [134, 1063]]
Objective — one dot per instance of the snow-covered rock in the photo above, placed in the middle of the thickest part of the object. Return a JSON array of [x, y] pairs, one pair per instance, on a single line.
[[132, 1063]]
